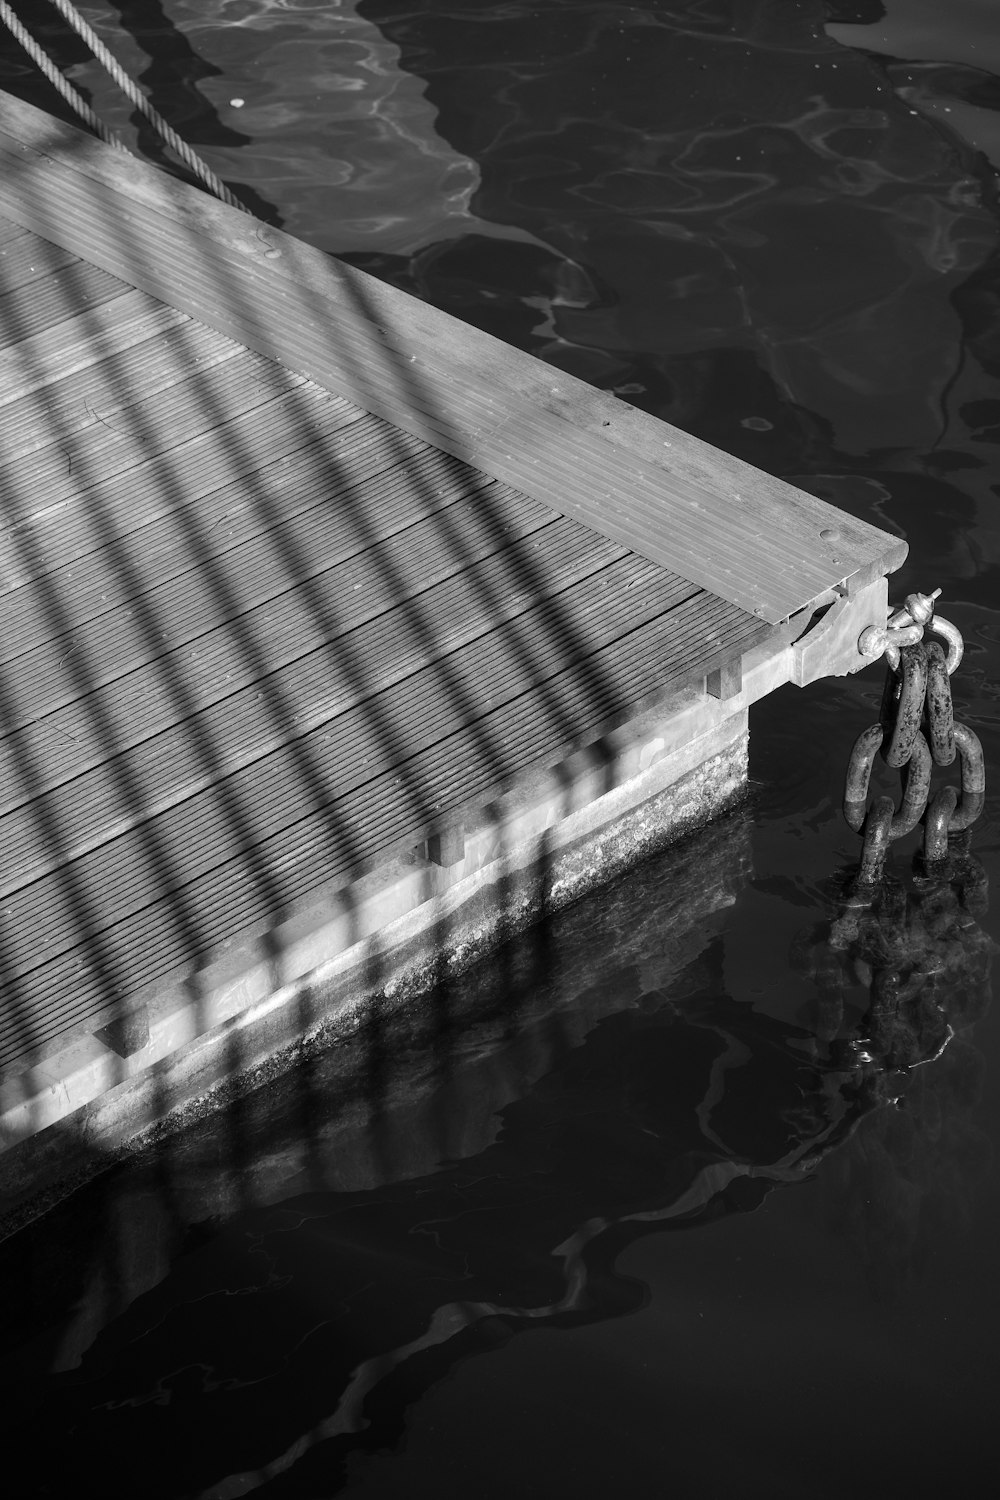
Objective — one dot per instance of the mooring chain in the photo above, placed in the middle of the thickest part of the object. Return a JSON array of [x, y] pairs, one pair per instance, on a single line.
[[916, 731]]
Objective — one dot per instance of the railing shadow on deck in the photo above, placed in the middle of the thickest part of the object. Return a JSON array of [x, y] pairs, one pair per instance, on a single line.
[[306, 764], [301, 1130], [57, 828]]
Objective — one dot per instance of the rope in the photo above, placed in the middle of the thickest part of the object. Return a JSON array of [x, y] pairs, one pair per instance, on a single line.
[[137, 97], [44, 62], [131, 91]]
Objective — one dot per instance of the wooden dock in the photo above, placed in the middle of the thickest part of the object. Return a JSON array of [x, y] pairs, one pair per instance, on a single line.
[[299, 579]]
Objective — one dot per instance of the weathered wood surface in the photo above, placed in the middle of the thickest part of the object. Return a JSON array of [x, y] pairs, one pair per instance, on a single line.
[[752, 540], [253, 638]]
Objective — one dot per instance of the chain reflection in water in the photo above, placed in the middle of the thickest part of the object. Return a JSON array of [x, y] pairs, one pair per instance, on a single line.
[[262, 1302], [900, 982]]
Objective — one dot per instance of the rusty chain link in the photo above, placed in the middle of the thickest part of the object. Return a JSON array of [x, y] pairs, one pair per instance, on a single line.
[[916, 732]]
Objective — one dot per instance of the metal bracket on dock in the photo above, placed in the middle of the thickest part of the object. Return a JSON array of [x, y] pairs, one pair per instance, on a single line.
[[829, 645]]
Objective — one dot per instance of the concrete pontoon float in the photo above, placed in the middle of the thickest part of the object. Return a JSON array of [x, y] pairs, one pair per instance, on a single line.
[[337, 640]]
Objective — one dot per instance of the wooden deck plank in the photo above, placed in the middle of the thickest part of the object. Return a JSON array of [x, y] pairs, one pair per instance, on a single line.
[[157, 424], [27, 257], [80, 985], [159, 617], [87, 518], [749, 538], [314, 482], [85, 401], [90, 336], [282, 628], [379, 735], [9, 231], [255, 639], [30, 310], [167, 418], [244, 816], [442, 612], [514, 438]]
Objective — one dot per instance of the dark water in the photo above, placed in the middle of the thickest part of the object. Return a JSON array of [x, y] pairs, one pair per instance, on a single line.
[[749, 1253]]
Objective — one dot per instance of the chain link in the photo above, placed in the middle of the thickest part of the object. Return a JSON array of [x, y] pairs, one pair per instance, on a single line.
[[916, 732]]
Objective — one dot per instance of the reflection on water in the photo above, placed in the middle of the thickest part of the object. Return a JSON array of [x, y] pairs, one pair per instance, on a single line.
[[949, 72], [344, 141], [255, 1307], [709, 249], [914, 967], [771, 222], [165, 1294]]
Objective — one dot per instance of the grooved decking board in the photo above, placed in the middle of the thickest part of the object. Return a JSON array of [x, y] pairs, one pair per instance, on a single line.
[[81, 341], [401, 482], [161, 423], [292, 573], [260, 714], [70, 665], [381, 734], [43, 303], [94, 514], [84, 983], [165, 420], [105, 392], [395, 584], [29, 258], [746, 536]]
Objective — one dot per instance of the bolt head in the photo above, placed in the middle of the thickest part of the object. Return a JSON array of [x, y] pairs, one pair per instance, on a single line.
[[920, 607]]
